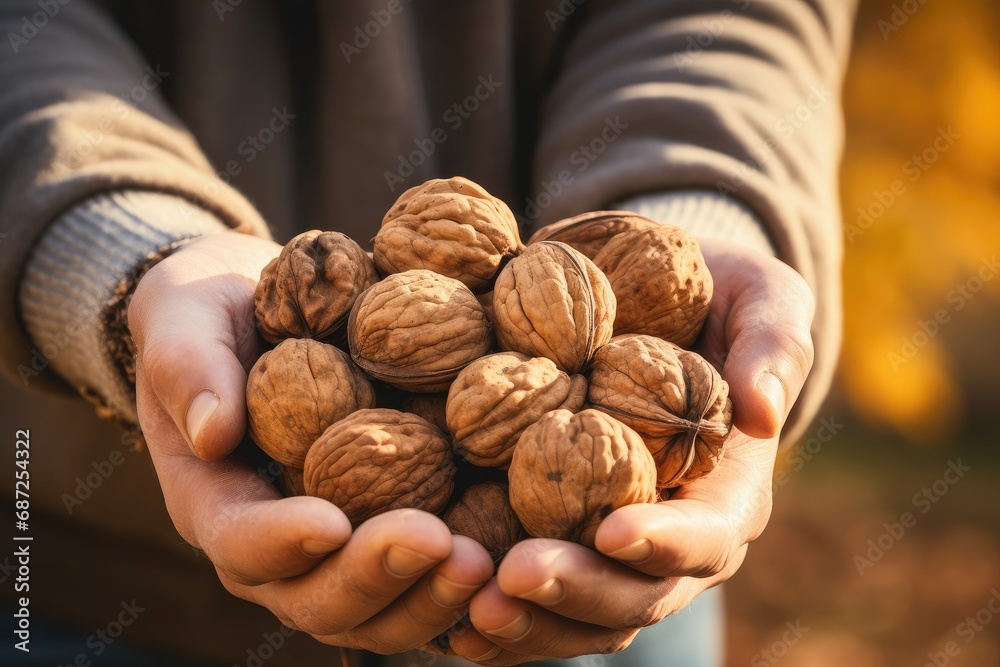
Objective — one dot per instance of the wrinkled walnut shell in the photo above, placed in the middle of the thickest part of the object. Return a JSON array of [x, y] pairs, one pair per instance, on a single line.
[[674, 399], [307, 290], [589, 232], [416, 330], [429, 406], [484, 514], [449, 226], [496, 397], [570, 471], [295, 391], [379, 460], [293, 481], [661, 282], [552, 302]]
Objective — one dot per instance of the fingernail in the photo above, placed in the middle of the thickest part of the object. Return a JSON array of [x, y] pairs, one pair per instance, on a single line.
[[202, 407], [638, 552], [551, 592], [515, 629], [447, 593], [493, 652], [403, 562], [316, 547], [770, 385]]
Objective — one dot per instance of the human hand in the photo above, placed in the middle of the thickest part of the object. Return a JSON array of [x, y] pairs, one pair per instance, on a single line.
[[397, 581], [557, 599]]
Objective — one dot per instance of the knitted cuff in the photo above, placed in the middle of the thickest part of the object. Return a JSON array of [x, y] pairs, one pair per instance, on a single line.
[[703, 214], [76, 285]]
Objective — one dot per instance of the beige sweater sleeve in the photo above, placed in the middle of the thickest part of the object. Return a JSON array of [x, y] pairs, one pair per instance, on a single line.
[[737, 97], [81, 115]]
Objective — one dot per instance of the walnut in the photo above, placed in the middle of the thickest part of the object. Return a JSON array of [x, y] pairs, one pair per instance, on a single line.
[[293, 482], [484, 514], [674, 399], [570, 471], [661, 282], [378, 460], [552, 302], [496, 397], [416, 330], [307, 290], [429, 406], [296, 390], [449, 226], [589, 232]]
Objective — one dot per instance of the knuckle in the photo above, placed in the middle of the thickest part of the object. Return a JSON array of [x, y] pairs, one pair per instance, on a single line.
[[762, 513], [618, 642], [797, 341], [650, 615], [312, 622]]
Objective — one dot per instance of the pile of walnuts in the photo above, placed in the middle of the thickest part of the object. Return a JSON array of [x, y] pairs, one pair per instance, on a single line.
[[511, 388]]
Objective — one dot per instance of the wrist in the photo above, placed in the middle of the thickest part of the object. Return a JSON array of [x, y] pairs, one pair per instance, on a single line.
[[79, 278]]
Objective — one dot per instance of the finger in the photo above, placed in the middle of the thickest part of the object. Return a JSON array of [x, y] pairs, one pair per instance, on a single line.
[[433, 605], [385, 556], [187, 339], [701, 530], [527, 629], [231, 513], [576, 582], [468, 643], [767, 335]]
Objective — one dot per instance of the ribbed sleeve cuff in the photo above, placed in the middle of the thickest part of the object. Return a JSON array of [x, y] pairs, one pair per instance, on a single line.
[[77, 281], [703, 214]]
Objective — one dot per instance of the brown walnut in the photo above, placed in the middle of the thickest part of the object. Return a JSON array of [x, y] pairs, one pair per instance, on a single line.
[[307, 290], [496, 397], [589, 232], [673, 398], [552, 302], [484, 514], [293, 481], [661, 282], [570, 471], [296, 390], [450, 226], [429, 406], [378, 460], [416, 330]]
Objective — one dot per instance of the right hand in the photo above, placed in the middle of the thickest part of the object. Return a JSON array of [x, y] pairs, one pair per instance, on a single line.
[[393, 584]]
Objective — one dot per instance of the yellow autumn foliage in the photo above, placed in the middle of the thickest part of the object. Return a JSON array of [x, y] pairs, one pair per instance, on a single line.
[[921, 206]]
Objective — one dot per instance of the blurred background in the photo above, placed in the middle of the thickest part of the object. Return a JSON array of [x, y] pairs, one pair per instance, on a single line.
[[884, 545]]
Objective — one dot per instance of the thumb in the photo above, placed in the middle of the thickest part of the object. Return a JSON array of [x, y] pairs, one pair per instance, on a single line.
[[765, 371], [186, 345]]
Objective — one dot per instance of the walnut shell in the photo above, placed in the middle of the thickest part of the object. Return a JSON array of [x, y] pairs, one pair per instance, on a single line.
[[570, 471], [307, 290], [552, 302], [416, 330], [673, 398], [589, 232], [449, 226], [484, 514], [378, 460], [496, 397], [295, 391], [661, 282], [293, 481], [429, 406]]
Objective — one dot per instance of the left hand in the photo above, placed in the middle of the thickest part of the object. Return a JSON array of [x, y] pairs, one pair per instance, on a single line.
[[557, 599]]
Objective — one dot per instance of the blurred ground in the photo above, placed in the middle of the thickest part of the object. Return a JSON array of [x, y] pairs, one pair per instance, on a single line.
[[837, 578], [917, 584]]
